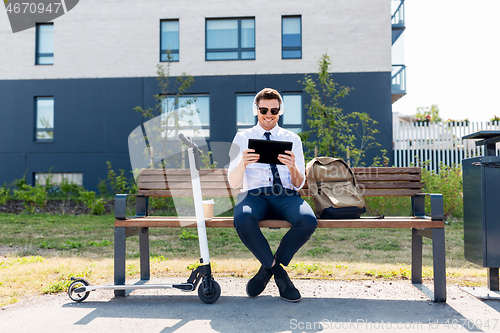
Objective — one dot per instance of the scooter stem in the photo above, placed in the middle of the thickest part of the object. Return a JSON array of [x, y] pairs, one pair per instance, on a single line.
[[198, 207]]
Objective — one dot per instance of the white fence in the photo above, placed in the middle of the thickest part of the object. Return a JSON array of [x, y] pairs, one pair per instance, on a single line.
[[437, 142]]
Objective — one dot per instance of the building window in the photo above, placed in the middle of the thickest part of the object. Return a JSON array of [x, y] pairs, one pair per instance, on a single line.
[[44, 131], [230, 39], [57, 178], [44, 54], [291, 37], [244, 112], [194, 112], [169, 40], [292, 117]]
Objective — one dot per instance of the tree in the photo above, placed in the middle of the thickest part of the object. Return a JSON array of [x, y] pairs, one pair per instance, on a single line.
[[364, 131], [182, 83], [167, 117], [334, 131], [428, 112]]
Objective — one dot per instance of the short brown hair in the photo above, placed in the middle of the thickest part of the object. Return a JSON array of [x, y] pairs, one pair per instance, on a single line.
[[268, 93]]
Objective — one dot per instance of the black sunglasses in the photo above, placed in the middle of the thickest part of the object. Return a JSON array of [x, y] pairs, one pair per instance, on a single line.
[[274, 111]]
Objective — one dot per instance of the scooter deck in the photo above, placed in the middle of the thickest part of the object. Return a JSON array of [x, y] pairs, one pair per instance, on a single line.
[[181, 286]]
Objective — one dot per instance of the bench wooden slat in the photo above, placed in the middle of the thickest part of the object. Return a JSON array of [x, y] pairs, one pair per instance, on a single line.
[[175, 186], [377, 192], [363, 170], [373, 174], [403, 180], [180, 178], [227, 222], [159, 172], [389, 192], [406, 185], [144, 182], [234, 193], [386, 170], [189, 193], [224, 185], [385, 177]]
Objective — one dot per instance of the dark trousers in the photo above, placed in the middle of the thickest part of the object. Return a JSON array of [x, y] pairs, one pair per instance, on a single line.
[[252, 208]]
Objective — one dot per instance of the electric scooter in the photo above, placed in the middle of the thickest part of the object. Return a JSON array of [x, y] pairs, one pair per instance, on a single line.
[[209, 290]]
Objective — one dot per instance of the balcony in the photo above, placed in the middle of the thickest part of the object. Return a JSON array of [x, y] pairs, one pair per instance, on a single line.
[[398, 82], [397, 19]]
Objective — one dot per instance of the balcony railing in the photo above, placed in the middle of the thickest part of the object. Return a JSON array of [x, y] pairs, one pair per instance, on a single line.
[[398, 16], [398, 79]]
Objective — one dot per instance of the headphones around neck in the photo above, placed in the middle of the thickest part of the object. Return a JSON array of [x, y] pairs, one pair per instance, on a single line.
[[255, 107]]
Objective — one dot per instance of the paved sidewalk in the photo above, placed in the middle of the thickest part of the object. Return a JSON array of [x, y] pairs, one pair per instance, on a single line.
[[327, 306]]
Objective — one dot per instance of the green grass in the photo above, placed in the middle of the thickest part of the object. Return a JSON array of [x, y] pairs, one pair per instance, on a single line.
[[47, 250], [92, 237]]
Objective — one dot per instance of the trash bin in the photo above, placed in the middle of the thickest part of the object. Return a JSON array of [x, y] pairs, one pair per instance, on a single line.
[[481, 193]]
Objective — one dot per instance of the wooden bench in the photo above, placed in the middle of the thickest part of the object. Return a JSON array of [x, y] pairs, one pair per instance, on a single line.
[[372, 181]]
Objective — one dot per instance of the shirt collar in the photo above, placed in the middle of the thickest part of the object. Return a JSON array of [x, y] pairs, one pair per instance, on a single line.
[[274, 131]]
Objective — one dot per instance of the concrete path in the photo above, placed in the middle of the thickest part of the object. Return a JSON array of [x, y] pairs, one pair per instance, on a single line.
[[327, 306]]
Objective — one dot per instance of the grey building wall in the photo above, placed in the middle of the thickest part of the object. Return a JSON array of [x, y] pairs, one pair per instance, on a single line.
[[109, 38]]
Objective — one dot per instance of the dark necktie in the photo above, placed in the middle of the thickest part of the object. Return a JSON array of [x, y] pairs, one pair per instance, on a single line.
[[277, 186]]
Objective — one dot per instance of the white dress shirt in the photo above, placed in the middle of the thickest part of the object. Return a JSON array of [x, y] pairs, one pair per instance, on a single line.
[[259, 174]]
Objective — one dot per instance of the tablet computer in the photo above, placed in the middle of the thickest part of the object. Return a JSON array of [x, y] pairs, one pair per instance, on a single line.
[[269, 150]]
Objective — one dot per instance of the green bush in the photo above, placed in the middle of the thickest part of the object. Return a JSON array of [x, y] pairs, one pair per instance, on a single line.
[[134, 188], [206, 161], [449, 183], [87, 197], [96, 206], [116, 183], [389, 206], [4, 194], [103, 188], [69, 189], [31, 196], [49, 186], [162, 205]]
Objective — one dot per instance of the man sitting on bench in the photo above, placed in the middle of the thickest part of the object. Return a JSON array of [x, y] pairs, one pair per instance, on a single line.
[[270, 192]]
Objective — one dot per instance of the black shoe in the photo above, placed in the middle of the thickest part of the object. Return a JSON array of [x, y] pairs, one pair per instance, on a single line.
[[288, 292], [258, 283]]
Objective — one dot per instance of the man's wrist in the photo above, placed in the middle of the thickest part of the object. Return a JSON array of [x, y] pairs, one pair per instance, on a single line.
[[294, 168]]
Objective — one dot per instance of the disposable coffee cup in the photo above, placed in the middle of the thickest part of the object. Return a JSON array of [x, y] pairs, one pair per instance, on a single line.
[[208, 209]]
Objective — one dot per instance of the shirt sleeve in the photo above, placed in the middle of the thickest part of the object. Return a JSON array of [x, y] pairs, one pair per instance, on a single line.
[[235, 155], [299, 159]]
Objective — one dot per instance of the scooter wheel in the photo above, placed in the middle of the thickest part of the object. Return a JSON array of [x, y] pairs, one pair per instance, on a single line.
[[212, 296], [78, 297]]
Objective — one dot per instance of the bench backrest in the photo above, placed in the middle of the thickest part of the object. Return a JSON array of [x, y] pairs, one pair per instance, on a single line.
[[372, 182]]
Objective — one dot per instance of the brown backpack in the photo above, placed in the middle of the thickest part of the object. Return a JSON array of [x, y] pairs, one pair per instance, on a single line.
[[334, 189]]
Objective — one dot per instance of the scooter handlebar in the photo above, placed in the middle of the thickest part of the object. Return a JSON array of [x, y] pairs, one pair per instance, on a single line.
[[190, 143], [186, 141], [197, 152]]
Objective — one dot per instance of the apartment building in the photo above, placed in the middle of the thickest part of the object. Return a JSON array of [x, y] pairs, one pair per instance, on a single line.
[[68, 87]]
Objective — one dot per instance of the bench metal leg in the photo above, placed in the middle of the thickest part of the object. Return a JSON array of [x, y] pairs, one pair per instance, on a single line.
[[438, 261], [416, 256], [438, 253], [493, 278], [144, 253], [119, 259], [418, 206]]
